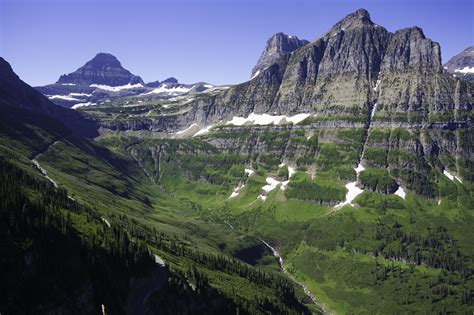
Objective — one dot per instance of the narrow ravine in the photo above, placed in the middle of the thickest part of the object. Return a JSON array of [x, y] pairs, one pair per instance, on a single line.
[[34, 160], [292, 278], [43, 171]]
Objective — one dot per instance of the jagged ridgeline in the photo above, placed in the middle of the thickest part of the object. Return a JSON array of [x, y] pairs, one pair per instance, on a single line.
[[349, 158]]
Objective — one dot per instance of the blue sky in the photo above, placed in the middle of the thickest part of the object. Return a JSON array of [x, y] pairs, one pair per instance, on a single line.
[[217, 41]]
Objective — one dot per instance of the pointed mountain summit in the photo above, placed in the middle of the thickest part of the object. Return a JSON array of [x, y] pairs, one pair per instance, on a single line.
[[278, 45], [462, 65], [357, 19], [103, 69]]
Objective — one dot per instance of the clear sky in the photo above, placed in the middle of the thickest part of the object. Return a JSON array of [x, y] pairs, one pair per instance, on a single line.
[[217, 41]]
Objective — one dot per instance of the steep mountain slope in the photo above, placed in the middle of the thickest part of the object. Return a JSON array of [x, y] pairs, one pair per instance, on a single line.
[[462, 65], [16, 95], [278, 45]]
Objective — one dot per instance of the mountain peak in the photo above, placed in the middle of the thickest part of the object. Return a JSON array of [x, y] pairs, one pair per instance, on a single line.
[[106, 59], [105, 69], [356, 19], [462, 64], [277, 45]]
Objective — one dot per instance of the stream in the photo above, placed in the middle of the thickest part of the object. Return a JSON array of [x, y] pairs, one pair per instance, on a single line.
[[292, 278]]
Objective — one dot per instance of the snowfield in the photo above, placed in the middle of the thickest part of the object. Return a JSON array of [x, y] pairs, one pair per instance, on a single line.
[[116, 88], [170, 90], [266, 119], [83, 105], [63, 97], [465, 70]]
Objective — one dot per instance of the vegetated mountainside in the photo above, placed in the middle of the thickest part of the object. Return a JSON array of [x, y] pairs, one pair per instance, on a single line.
[[368, 199], [462, 65], [90, 248]]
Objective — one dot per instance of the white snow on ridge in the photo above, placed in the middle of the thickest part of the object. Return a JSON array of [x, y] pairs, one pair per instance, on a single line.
[[400, 192], [68, 84], [63, 97], [116, 88], [465, 70], [266, 119], [171, 90], [79, 94], [256, 74], [83, 105]]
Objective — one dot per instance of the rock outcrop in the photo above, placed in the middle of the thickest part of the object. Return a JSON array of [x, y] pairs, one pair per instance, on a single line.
[[343, 74], [278, 45]]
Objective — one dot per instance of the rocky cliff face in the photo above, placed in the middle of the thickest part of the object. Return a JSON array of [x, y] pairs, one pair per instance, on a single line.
[[102, 69], [462, 65], [278, 45], [352, 67]]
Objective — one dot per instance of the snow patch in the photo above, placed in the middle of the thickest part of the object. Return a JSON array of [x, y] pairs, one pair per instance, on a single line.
[[352, 190], [105, 221], [465, 70], [266, 119], [83, 105], [255, 74], [400, 192], [63, 97], [190, 129], [249, 172], [448, 175], [68, 84], [79, 94], [203, 131], [170, 90], [116, 88], [158, 260], [236, 191], [372, 113]]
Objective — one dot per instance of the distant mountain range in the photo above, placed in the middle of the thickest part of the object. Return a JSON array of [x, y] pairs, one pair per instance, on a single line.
[[462, 65], [103, 79]]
